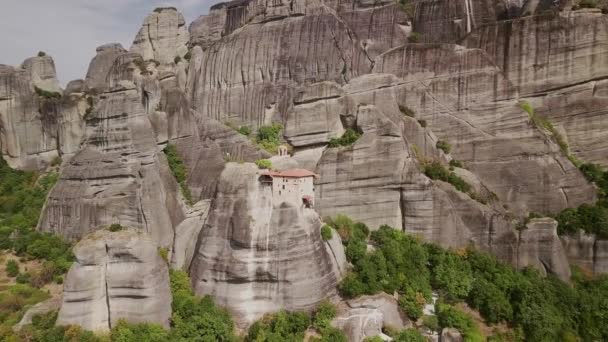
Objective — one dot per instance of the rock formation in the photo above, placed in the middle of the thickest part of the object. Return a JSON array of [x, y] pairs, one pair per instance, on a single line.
[[117, 275], [257, 255], [162, 37], [366, 316], [119, 175], [540, 247]]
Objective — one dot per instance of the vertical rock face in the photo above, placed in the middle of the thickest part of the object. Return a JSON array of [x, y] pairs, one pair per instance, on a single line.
[[278, 48], [119, 176], [116, 276], [162, 37], [540, 247], [256, 255], [587, 252]]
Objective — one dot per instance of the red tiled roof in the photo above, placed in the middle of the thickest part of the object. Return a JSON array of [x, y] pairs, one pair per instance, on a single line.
[[291, 173]]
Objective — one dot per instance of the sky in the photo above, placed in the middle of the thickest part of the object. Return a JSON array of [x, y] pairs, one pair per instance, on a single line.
[[71, 30]]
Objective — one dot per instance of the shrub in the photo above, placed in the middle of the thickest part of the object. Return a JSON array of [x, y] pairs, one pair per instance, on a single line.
[[431, 322], [43, 276], [414, 37], [326, 233], [588, 4], [349, 137], [444, 146], [323, 315], [450, 317], [409, 335], [412, 303], [263, 164], [195, 318], [178, 168], [244, 130], [41, 53], [269, 137], [177, 59], [126, 332], [50, 95], [456, 163], [435, 170], [281, 326], [12, 268], [188, 55], [164, 254], [56, 161], [544, 123], [115, 227], [407, 111], [23, 278]]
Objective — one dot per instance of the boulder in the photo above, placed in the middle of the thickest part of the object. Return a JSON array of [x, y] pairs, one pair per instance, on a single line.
[[117, 275], [450, 335], [365, 316]]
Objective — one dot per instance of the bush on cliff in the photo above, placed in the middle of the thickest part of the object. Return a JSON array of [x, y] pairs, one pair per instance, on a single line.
[[269, 137], [178, 168], [349, 137]]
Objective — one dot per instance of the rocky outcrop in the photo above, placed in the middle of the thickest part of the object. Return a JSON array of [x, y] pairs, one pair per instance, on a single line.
[[450, 335], [256, 255], [37, 126], [42, 73], [49, 305], [587, 252], [540, 247], [117, 275], [101, 64], [280, 48], [162, 37], [119, 176], [366, 316]]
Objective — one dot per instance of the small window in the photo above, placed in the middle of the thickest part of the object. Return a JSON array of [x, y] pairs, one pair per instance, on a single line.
[[283, 186]]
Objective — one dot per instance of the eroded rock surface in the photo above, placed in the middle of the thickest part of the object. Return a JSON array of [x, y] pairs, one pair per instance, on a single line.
[[540, 247], [256, 255], [117, 275], [365, 316], [162, 37]]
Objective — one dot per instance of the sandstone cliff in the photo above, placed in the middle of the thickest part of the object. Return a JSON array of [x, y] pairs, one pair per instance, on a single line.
[[257, 255]]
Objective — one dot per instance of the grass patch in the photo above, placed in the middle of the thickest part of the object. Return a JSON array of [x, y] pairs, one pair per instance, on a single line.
[[178, 168]]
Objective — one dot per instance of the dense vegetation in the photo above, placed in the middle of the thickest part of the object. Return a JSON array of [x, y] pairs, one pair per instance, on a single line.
[[535, 307], [590, 218], [349, 137], [178, 168], [269, 137], [22, 195]]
